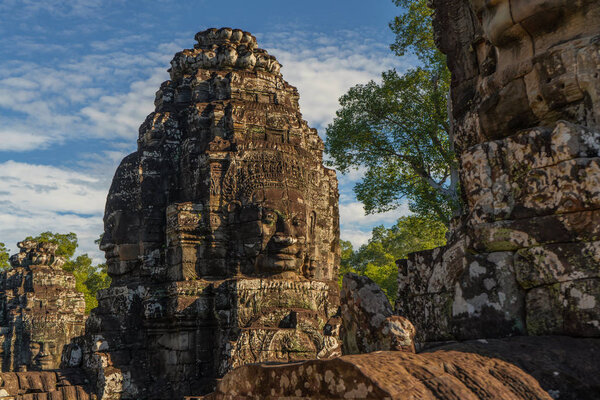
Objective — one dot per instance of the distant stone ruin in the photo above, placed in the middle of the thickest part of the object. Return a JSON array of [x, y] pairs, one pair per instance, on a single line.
[[525, 100], [40, 310], [221, 232]]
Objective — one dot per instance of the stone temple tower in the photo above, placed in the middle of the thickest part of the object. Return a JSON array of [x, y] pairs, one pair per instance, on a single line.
[[221, 232]]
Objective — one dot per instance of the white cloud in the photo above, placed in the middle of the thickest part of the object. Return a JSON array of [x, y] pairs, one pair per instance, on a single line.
[[354, 213], [81, 8], [90, 96], [14, 140], [48, 188], [15, 227], [356, 225], [324, 67], [122, 114], [37, 198], [355, 236]]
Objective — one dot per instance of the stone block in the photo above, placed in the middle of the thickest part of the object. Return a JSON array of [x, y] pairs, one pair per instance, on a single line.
[[559, 262], [567, 308], [367, 321], [488, 301]]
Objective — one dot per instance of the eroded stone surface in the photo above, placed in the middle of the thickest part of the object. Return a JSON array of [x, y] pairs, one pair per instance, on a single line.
[[386, 374], [566, 367], [221, 232], [526, 117], [40, 310], [368, 323]]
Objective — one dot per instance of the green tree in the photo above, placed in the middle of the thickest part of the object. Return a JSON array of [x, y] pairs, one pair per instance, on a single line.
[[346, 261], [4, 256], [377, 258], [399, 131], [414, 33]]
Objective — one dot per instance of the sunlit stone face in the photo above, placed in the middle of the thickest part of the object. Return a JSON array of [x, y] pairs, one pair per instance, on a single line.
[[43, 356], [272, 230]]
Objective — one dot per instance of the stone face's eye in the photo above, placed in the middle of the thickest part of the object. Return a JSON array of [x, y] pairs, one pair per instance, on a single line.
[[269, 217], [295, 221]]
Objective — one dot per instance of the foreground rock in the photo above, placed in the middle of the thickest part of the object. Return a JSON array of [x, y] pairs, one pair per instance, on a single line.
[[368, 323], [40, 310], [526, 115], [395, 375], [567, 368], [221, 232], [46, 385]]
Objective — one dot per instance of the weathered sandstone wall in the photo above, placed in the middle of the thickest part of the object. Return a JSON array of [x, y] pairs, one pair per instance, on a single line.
[[526, 114]]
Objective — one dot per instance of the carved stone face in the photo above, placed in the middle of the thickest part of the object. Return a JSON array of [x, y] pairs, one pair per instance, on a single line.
[[42, 355], [500, 17], [119, 242], [272, 230]]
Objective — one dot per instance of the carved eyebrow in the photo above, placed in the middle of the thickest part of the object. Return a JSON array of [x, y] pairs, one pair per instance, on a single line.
[[280, 214]]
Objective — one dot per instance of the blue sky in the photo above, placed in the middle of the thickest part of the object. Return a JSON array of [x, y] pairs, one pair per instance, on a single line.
[[78, 77]]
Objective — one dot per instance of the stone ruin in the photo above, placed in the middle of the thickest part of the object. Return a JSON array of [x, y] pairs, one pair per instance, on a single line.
[[221, 232], [525, 97], [368, 320], [518, 280], [222, 235], [40, 310]]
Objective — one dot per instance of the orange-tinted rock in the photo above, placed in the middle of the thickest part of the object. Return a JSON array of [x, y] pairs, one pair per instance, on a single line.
[[566, 367], [67, 384], [395, 375]]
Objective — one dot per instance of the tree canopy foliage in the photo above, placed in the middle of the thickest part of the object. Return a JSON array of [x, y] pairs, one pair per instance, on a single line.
[[4, 256], [414, 33], [377, 258], [398, 129]]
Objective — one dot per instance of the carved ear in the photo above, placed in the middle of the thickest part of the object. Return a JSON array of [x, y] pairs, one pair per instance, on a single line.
[[312, 222], [232, 210]]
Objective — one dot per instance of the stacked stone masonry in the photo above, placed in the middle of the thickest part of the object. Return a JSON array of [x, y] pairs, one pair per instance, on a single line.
[[40, 310], [525, 100], [221, 233], [45, 385]]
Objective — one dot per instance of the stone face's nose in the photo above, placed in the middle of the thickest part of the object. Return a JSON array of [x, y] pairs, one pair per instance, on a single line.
[[283, 233], [106, 243]]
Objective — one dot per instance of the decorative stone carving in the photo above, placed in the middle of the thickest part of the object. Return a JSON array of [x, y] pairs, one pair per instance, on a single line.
[[40, 310], [33, 253], [526, 117], [221, 232]]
